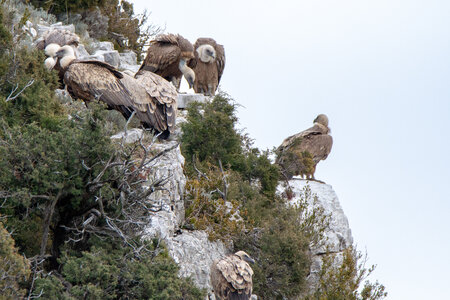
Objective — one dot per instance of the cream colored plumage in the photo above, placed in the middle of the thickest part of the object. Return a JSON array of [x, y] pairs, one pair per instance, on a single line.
[[231, 277]]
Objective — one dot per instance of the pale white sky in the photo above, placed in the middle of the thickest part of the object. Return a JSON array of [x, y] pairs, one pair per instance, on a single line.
[[380, 70]]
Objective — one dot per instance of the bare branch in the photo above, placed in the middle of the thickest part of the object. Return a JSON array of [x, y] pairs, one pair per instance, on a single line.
[[10, 97]]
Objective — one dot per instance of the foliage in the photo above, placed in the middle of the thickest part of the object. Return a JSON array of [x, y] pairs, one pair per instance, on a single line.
[[342, 280], [280, 244], [207, 208], [71, 194], [14, 268], [226, 167], [109, 271], [294, 162], [210, 136]]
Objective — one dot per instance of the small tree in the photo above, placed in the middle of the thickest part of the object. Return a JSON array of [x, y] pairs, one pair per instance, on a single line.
[[341, 280]]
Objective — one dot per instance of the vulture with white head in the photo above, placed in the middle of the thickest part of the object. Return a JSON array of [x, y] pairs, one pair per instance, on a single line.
[[208, 66], [152, 98], [169, 56], [300, 153], [231, 277]]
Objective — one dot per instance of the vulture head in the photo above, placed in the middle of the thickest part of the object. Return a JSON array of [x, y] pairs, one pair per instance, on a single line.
[[49, 63], [188, 73], [66, 54], [51, 49], [245, 257], [206, 53], [322, 119]]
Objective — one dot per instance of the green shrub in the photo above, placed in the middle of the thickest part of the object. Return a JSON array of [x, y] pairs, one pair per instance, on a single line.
[[14, 268], [209, 136], [342, 281], [112, 271]]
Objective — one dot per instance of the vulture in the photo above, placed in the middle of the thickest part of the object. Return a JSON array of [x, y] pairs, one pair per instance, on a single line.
[[60, 37], [208, 66], [149, 96], [300, 153], [169, 56], [231, 277]]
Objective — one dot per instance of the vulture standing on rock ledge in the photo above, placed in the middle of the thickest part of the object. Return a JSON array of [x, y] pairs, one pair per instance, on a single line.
[[169, 56], [300, 153], [231, 277], [152, 98], [208, 66]]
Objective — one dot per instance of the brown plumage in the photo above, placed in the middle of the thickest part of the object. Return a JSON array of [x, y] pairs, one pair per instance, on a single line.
[[300, 153], [61, 37], [209, 65], [169, 56], [231, 277], [152, 98]]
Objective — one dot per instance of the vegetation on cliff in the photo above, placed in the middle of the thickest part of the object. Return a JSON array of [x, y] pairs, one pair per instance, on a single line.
[[68, 194], [69, 227], [231, 193]]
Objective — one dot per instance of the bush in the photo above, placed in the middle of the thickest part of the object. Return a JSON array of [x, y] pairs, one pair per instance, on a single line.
[[72, 195], [210, 137], [14, 268], [341, 280], [112, 271]]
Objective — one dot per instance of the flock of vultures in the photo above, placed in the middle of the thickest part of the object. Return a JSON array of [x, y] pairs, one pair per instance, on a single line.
[[151, 95]]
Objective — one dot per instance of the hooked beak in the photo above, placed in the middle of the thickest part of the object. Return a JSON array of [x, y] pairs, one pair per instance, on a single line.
[[249, 259], [191, 83], [60, 53]]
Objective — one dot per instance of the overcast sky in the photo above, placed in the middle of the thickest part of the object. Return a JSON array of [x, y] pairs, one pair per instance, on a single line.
[[380, 70]]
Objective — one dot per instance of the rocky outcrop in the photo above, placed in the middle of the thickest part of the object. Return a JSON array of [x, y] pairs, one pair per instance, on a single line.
[[338, 235]]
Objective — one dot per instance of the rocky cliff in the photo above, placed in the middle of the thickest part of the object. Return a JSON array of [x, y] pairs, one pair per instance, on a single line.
[[192, 250]]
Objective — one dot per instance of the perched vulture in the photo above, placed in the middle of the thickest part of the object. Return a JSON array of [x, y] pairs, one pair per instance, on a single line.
[[169, 56], [152, 98], [300, 153], [208, 66], [60, 37], [231, 277]]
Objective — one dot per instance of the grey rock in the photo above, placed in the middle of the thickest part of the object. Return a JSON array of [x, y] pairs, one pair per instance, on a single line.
[[103, 46], [194, 253], [184, 99], [81, 51], [171, 198], [41, 29], [128, 61], [128, 58], [94, 57], [111, 57], [131, 136]]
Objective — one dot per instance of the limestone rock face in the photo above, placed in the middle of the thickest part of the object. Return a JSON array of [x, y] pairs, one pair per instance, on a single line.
[[338, 235], [41, 29], [194, 253], [184, 99], [128, 61]]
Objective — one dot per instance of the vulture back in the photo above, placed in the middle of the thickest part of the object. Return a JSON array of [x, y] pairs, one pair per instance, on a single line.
[[231, 278]]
